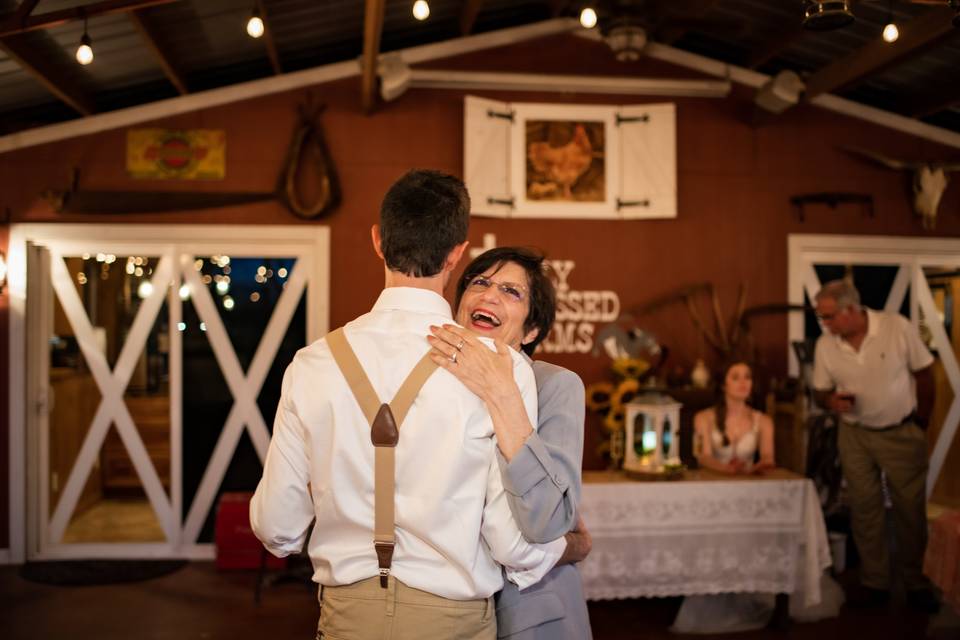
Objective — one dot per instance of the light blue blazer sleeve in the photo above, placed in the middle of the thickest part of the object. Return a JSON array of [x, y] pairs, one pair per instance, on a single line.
[[542, 481]]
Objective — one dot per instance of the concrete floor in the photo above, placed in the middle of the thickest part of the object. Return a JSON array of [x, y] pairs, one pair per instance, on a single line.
[[198, 602]]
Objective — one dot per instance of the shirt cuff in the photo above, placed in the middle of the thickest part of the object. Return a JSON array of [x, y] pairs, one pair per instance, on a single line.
[[552, 551], [528, 468]]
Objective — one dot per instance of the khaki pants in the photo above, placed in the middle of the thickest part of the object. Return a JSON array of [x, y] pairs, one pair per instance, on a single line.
[[366, 611], [902, 453]]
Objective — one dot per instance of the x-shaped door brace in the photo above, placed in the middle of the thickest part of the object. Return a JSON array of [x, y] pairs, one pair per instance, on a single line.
[[245, 389], [912, 273], [112, 385]]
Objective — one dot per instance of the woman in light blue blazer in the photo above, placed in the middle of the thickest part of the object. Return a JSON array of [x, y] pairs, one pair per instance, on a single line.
[[506, 295]]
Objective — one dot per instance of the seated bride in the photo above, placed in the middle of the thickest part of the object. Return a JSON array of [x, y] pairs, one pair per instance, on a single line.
[[729, 434]]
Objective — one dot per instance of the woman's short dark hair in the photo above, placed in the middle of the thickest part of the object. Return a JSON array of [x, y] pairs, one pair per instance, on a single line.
[[424, 215], [543, 296]]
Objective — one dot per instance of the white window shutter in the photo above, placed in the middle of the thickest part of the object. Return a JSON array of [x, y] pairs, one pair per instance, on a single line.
[[486, 156], [648, 150]]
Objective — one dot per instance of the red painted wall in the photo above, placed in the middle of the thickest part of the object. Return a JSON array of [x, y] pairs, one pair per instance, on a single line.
[[734, 183]]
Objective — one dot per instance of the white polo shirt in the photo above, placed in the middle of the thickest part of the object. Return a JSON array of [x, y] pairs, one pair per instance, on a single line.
[[453, 522], [879, 374]]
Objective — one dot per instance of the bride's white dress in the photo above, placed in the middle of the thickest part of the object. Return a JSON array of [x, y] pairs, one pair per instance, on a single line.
[[731, 612]]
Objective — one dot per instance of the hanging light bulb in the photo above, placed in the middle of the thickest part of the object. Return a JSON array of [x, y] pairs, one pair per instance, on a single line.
[[891, 32], [421, 10], [588, 17], [255, 26], [85, 51]]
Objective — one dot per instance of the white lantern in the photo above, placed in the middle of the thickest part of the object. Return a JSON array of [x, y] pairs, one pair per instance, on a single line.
[[652, 433]]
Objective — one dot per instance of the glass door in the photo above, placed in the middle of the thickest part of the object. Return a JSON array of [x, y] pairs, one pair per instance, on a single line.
[[156, 370]]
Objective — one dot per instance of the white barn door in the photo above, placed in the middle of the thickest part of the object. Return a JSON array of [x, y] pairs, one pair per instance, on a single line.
[[212, 306]]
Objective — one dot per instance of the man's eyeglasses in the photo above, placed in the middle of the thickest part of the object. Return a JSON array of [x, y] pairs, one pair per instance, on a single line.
[[513, 291]]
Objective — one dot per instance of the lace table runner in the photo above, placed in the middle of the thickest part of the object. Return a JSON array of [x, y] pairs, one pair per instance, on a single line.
[[701, 535]]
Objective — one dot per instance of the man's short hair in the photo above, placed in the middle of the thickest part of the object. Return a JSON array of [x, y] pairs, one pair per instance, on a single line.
[[424, 215], [543, 296], [842, 292]]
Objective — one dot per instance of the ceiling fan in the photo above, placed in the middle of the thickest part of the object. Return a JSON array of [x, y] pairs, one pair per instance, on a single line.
[[625, 25], [825, 15]]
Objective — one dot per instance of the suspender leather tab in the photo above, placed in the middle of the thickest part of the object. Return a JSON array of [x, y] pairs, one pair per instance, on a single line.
[[385, 420], [384, 559], [384, 431]]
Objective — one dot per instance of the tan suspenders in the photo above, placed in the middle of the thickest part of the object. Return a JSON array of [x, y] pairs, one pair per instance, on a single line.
[[384, 420]]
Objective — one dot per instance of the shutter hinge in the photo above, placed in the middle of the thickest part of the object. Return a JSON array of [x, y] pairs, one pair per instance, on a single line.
[[632, 203], [499, 114], [643, 118]]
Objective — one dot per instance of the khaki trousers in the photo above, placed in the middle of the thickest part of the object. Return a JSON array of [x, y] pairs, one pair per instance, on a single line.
[[366, 611], [902, 453]]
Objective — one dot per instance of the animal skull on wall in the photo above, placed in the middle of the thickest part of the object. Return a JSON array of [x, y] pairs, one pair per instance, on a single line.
[[930, 180]]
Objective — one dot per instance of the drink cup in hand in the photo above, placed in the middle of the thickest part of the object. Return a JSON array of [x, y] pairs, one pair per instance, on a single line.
[[845, 401]]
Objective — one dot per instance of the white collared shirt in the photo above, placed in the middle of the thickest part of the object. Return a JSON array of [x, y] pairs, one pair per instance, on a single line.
[[453, 523], [878, 374]]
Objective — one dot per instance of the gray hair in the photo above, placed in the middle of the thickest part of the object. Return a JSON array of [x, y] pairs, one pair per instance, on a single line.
[[842, 291]]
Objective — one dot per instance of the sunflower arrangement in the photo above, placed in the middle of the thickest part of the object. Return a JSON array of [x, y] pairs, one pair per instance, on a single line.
[[609, 399]]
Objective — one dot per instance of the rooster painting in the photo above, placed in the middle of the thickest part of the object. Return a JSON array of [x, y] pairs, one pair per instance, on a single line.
[[561, 161]]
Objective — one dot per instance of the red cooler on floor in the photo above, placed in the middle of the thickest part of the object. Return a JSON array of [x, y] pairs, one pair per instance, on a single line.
[[237, 547]]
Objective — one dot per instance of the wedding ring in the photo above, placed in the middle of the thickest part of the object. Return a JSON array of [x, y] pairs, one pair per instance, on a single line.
[[460, 345], [453, 358]]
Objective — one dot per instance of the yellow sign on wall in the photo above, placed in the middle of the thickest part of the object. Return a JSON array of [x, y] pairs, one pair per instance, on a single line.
[[190, 154]]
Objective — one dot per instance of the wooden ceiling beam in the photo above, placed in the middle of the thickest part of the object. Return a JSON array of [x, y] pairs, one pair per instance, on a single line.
[[23, 49], [557, 6], [372, 31], [24, 9], [915, 35], [778, 43], [690, 10], [468, 15], [13, 23], [149, 33], [931, 102], [268, 40]]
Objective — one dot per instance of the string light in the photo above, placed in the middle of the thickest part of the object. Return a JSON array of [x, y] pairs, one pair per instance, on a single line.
[[890, 32], [255, 27], [588, 17], [85, 50], [421, 10]]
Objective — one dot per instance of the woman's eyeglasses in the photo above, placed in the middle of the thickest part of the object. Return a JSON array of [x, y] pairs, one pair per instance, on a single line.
[[513, 291]]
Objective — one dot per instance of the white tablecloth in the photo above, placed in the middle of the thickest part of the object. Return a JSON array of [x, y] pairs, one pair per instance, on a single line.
[[704, 534]]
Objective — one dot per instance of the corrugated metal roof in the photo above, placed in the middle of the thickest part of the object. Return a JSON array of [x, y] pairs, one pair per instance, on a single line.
[[206, 40]]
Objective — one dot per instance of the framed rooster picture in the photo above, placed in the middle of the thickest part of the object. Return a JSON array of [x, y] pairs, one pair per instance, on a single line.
[[565, 161], [532, 160]]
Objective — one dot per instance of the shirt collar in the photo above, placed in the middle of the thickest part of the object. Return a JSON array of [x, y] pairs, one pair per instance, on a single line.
[[873, 323], [412, 299]]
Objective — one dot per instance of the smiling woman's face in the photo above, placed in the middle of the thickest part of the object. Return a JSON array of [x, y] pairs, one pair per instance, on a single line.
[[495, 304]]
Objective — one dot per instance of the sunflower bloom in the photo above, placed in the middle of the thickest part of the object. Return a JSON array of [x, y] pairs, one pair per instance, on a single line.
[[630, 367], [599, 396], [625, 392], [615, 419]]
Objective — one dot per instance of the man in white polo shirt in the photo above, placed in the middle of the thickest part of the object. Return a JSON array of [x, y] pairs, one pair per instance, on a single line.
[[865, 370], [452, 523]]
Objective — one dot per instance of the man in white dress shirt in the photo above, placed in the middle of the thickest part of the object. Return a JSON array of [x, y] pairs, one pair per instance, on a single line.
[[865, 369], [452, 522]]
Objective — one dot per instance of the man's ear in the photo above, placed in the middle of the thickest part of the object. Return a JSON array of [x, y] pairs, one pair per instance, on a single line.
[[453, 258], [375, 236]]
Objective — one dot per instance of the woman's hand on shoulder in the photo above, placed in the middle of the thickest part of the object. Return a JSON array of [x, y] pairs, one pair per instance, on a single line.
[[485, 372]]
